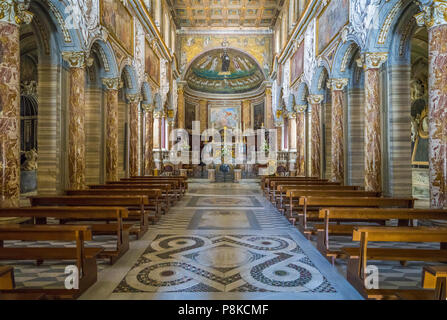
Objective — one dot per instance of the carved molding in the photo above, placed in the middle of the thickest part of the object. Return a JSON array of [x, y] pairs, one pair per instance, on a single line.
[[337, 84]]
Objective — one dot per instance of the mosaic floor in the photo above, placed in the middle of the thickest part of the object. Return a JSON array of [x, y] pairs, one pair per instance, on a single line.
[[223, 241]]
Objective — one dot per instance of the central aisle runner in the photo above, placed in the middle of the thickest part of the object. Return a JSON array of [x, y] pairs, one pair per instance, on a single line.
[[222, 241]]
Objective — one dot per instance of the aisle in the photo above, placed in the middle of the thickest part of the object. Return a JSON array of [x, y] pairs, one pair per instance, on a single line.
[[222, 241]]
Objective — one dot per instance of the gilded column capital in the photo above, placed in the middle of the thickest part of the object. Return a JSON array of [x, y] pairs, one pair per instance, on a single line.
[[433, 14], [337, 83], [268, 91], [315, 98], [15, 12], [76, 59], [112, 83], [147, 107], [180, 89], [374, 60], [291, 115], [301, 108], [133, 98]]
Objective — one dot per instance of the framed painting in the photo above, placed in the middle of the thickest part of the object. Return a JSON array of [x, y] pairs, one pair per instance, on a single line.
[[152, 64], [118, 21], [330, 22], [297, 64], [221, 117]]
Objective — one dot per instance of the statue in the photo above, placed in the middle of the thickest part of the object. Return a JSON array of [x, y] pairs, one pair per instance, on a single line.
[[30, 163]]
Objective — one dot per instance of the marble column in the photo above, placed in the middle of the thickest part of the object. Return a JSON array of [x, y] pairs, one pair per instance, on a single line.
[[246, 114], [269, 108], [301, 140], [337, 146], [292, 131], [316, 135], [76, 114], [203, 115], [112, 86], [148, 139], [373, 149], [279, 128], [170, 129], [10, 103], [434, 16], [134, 104], [181, 106]]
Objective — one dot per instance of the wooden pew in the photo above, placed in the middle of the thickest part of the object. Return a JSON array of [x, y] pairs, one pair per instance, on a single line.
[[154, 196], [312, 204], [166, 195], [6, 295], [85, 257], [102, 201], [173, 194], [271, 187], [86, 215], [7, 278], [294, 197], [175, 184], [404, 216], [358, 257], [183, 180], [282, 188], [266, 181]]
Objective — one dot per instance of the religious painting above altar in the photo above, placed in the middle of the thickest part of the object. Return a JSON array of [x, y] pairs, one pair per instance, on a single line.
[[224, 71], [118, 21], [224, 117], [330, 22]]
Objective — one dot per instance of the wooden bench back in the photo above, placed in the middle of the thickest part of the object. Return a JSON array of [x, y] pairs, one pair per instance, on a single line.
[[382, 213], [356, 202], [164, 187], [286, 187], [151, 193], [89, 201], [400, 234], [173, 183], [85, 213], [331, 193], [45, 232]]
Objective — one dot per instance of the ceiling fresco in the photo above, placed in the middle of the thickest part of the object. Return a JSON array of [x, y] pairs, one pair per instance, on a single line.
[[226, 13], [226, 71]]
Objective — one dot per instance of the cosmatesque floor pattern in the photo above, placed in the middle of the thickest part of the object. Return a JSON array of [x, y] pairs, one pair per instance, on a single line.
[[222, 241]]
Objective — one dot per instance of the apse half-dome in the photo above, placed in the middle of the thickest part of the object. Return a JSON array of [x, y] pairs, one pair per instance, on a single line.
[[224, 71]]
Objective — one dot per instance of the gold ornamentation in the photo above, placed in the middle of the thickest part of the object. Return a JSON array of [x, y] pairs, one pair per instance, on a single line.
[[433, 15], [15, 12], [133, 98], [112, 83], [75, 59], [337, 84], [374, 60], [315, 98]]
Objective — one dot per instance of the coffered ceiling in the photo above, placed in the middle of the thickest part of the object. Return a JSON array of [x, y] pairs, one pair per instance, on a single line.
[[225, 13]]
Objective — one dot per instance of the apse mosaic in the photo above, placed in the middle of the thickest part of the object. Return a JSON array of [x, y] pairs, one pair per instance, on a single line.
[[224, 263], [224, 71]]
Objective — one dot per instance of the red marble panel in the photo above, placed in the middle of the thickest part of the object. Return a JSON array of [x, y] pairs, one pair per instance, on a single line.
[[133, 132], [149, 144], [373, 153], [301, 144], [337, 145], [76, 137], [112, 135], [9, 116], [438, 115], [316, 140]]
